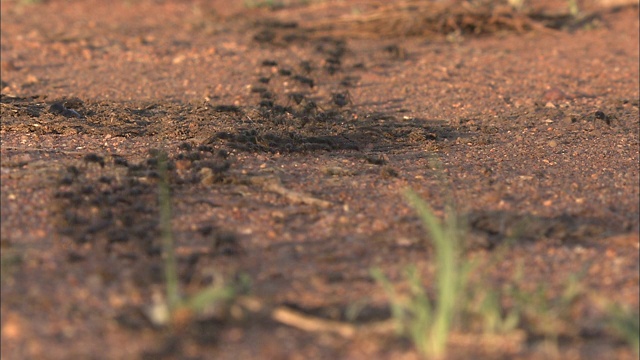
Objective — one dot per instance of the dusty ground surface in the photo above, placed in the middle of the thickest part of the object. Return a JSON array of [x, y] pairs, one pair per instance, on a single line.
[[290, 145]]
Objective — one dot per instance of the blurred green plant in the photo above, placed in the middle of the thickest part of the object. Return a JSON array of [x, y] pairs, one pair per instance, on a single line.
[[542, 315], [625, 323], [428, 323], [484, 306], [474, 305], [175, 303], [574, 8]]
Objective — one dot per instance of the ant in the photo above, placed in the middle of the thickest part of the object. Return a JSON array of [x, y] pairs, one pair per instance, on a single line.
[[284, 72], [342, 99], [304, 80], [297, 97], [332, 65], [396, 51], [94, 158], [305, 66], [310, 107]]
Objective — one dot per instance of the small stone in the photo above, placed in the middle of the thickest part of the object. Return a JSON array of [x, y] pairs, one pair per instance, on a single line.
[[12, 328], [206, 176], [178, 59], [183, 165], [31, 79]]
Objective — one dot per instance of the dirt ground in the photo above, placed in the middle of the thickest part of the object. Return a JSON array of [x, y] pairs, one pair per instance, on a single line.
[[292, 133]]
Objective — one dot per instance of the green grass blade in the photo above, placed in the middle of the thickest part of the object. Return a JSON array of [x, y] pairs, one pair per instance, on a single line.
[[445, 241], [168, 253]]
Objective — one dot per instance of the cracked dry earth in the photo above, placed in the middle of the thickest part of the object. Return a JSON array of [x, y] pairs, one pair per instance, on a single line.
[[290, 147]]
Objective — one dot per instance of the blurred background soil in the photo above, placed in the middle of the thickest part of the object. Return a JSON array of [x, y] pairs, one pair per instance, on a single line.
[[292, 130]]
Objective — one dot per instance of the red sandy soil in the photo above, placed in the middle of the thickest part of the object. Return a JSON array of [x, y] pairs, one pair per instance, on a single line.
[[530, 131]]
